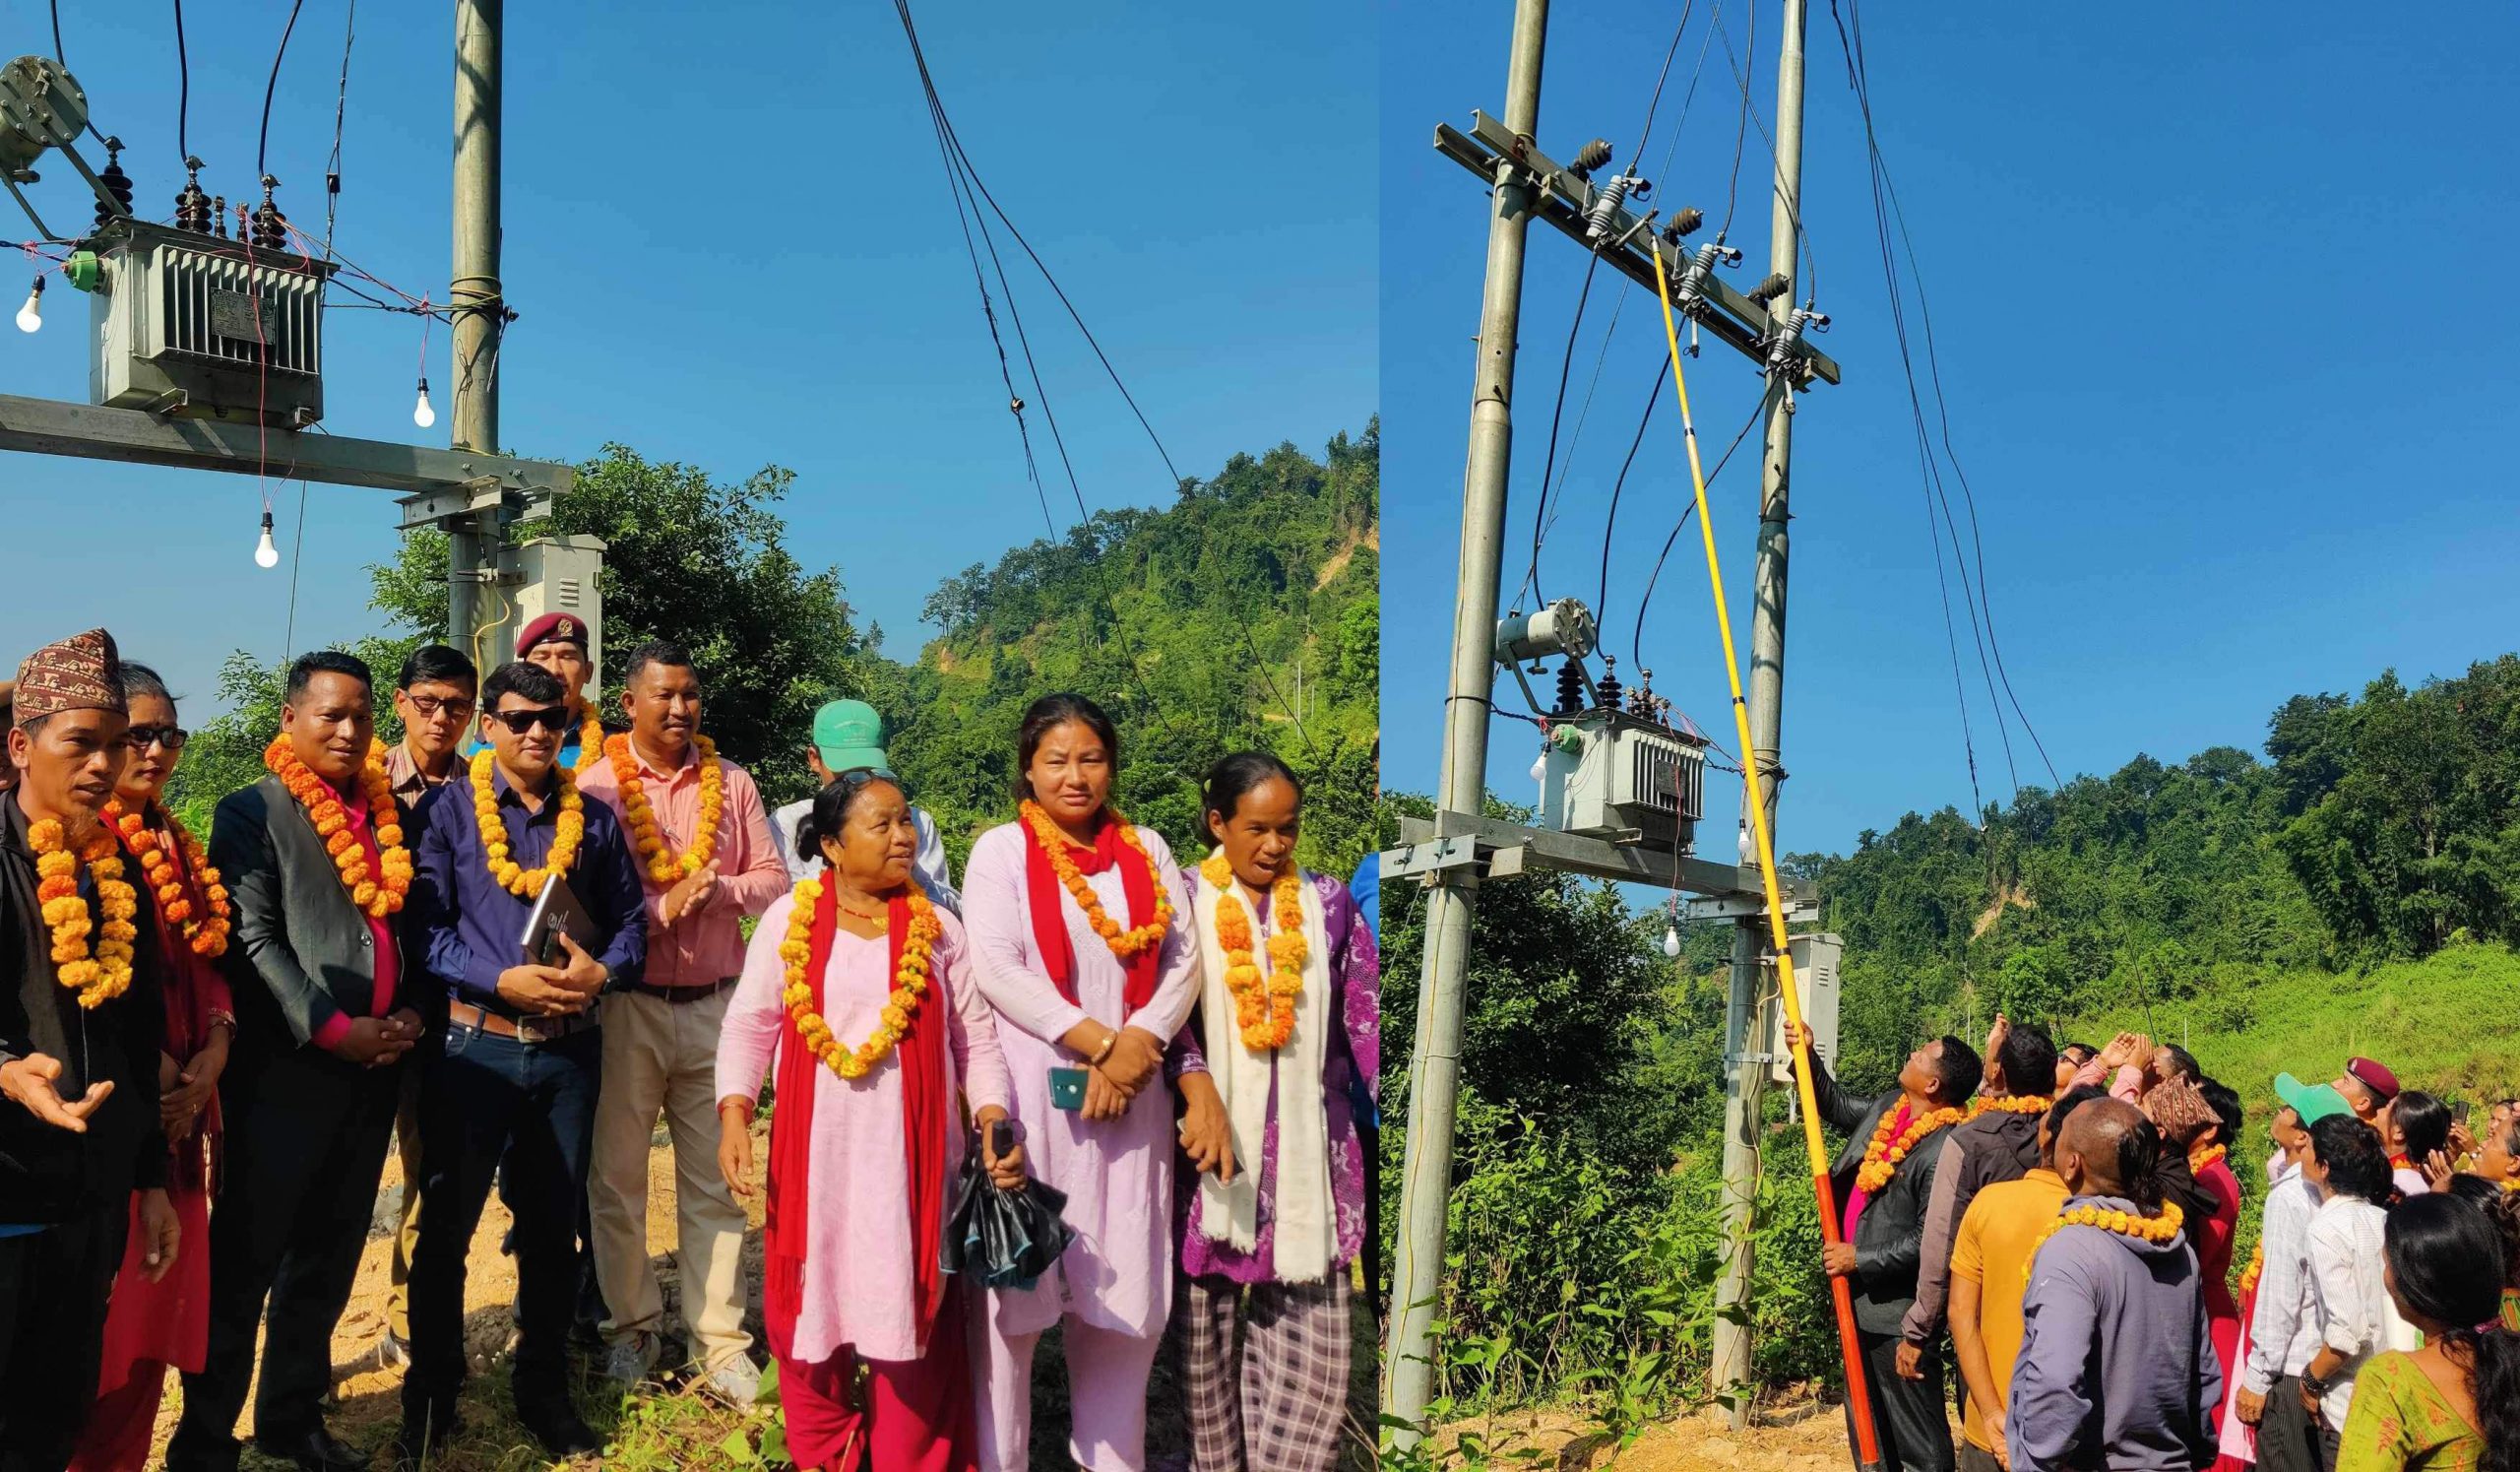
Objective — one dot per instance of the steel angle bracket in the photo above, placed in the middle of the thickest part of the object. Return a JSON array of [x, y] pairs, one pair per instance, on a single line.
[[1434, 857], [1750, 904]]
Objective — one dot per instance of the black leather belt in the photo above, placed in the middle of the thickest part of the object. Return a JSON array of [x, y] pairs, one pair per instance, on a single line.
[[685, 995], [526, 1030]]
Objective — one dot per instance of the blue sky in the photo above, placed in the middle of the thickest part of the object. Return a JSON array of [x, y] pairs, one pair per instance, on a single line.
[[732, 246], [2219, 293]]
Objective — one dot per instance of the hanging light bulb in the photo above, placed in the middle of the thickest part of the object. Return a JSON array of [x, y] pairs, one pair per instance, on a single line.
[[1744, 842], [1671, 941], [422, 413], [266, 555], [30, 316], [1540, 766]]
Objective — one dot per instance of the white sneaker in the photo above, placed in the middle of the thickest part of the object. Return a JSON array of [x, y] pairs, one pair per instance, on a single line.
[[632, 1359], [735, 1382]]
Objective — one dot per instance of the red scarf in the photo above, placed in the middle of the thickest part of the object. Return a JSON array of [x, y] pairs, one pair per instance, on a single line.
[[922, 1052], [1050, 918]]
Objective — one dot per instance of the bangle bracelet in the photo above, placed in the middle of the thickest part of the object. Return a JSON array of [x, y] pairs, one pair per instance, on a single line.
[[1110, 1042]]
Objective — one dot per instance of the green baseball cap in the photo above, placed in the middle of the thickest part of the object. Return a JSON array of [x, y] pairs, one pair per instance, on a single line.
[[849, 735], [2313, 1102]]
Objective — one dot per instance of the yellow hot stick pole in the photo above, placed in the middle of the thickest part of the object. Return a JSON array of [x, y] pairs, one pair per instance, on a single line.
[[1858, 1398]]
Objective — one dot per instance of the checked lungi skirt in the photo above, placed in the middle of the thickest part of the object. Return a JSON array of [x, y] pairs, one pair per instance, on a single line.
[[1267, 1369]]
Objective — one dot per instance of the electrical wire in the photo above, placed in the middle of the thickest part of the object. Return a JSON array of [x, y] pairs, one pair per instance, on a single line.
[[1609, 523], [1776, 189], [183, 89], [65, 63], [1549, 462], [262, 146], [1742, 130], [1636, 641], [1645, 134], [340, 106]]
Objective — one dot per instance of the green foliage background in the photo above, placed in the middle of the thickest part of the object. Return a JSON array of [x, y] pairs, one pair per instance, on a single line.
[[1195, 624], [2354, 891]]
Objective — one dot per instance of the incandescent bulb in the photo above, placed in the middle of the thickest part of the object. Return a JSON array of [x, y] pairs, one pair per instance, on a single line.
[[1671, 941], [30, 316], [1745, 843], [422, 413], [1540, 766], [266, 555]]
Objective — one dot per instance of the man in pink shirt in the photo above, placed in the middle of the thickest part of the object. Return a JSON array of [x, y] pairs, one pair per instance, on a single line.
[[661, 1036]]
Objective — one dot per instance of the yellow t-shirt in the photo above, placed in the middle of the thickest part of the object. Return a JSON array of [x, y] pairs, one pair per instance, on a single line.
[[1998, 1233]]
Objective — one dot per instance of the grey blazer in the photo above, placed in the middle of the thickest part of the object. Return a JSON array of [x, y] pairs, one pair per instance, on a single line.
[[302, 952]]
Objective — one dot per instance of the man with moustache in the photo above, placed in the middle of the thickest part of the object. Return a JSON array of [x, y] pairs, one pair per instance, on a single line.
[[317, 872], [78, 1129]]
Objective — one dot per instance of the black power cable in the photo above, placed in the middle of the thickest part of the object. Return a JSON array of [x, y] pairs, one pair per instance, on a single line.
[[262, 146]]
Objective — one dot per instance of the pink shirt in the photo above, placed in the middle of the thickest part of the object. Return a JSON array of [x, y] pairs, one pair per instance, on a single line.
[[858, 1285], [707, 944], [380, 934]]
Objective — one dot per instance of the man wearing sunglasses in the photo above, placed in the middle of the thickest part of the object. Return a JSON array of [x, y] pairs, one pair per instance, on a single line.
[[517, 1074]]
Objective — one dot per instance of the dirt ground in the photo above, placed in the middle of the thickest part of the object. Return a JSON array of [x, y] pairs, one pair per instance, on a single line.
[[1795, 1433]]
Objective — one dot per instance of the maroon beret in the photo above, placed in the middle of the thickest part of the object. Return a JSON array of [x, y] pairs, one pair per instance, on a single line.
[[2377, 1079], [564, 628]]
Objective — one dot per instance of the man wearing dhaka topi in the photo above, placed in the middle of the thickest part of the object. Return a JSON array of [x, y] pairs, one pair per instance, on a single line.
[[81, 1026]]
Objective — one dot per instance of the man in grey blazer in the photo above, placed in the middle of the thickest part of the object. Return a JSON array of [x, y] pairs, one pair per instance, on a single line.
[[323, 1025]]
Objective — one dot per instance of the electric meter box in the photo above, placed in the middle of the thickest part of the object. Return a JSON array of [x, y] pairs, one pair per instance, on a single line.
[[548, 575], [1609, 774], [1815, 984], [199, 327]]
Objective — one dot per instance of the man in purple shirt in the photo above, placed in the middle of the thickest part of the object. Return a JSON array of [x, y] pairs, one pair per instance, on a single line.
[[521, 1059], [2117, 1366]]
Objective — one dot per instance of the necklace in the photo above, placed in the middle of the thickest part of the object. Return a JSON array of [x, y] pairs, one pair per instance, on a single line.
[[106, 974], [380, 893], [1882, 1157], [656, 849], [909, 982], [1263, 1012], [2151, 1229], [1123, 944], [526, 884], [206, 933]]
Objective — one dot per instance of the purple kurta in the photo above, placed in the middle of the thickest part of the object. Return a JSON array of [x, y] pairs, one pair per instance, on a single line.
[[1356, 979], [1117, 1172]]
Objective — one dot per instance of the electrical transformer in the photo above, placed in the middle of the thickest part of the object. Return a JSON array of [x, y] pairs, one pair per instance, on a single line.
[[197, 326], [1815, 984], [1611, 774], [548, 575]]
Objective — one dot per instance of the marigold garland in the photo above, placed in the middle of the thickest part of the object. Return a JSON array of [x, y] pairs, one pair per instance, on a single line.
[[2153, 1229], [590, 743], [909, 983], [106, 974], [1265, 1012], [2201, 1161], [526, 884], [2011, 1104], [1123, 944], [2256, 1266], [656, 851], [378, 893], [1881, 1158], [205, 932]]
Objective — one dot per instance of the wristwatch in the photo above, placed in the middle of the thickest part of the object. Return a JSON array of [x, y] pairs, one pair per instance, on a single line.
[[2317, 1388]]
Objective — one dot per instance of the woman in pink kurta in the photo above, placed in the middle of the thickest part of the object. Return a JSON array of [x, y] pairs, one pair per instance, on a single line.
[[1064, 1000], [856, 1200]]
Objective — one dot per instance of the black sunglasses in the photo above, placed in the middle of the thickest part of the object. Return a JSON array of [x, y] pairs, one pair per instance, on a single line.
[[142, 737], [554, 718]]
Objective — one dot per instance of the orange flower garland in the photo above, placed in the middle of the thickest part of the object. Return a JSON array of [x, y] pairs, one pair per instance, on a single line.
[[526, 884], [2200, 1161], [2256, 1266], [654, 850], [1265, 1013], [205, 934], [1123, 944], [909, 983], [378, 894], [106, 974], [2151, 1229], [2011, 1104], [590, 743], [1881, 1158]]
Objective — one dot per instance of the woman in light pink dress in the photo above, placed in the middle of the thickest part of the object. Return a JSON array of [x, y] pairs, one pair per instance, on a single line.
[[1079, 924]]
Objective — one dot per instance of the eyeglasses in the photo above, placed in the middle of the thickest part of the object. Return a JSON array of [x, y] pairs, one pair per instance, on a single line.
[[142, 737], [429, 707], [552, 718]]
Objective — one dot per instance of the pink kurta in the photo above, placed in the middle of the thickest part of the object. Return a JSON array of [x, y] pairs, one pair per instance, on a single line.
[[858, 1288], [1117, 1172]]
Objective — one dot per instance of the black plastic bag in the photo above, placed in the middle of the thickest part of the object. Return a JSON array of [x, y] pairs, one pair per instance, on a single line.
[[1002, 1238]]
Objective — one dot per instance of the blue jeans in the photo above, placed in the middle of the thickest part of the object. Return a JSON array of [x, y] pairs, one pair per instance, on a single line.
[[482, 1098]]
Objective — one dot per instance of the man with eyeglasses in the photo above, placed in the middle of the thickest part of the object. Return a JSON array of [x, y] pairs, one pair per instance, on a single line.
[[517, 1073], [434, 697]]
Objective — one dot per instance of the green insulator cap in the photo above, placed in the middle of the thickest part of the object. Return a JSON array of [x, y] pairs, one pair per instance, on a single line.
[[84, 270]]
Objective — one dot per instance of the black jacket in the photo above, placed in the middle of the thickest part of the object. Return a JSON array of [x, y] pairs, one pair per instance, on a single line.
[[1886, 1237], [48, 1174]]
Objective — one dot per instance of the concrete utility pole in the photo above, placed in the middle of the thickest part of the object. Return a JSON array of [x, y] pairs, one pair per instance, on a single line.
[[1434, 1064], [479, 308], [1746, 1023]]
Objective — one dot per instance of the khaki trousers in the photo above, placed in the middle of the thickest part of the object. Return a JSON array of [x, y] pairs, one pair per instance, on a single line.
[[659, 1057], [406, 1233]]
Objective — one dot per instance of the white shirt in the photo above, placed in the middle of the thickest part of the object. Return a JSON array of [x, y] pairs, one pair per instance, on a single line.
[[2284, 1333], [2354, 1312], [930, 864]]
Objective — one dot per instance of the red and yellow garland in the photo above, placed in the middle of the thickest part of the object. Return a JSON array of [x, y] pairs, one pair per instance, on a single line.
[[527, 883], [2151, 1229], [106, 975], [2201, 1161], [1265, 1012], [207, 933], [377, 894], [1881, 1158], [1123, 944], [909, 983], [656, 851]]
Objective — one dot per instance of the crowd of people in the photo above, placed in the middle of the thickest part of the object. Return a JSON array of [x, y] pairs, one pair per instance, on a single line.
[[2066, 1221], [510, 959]]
